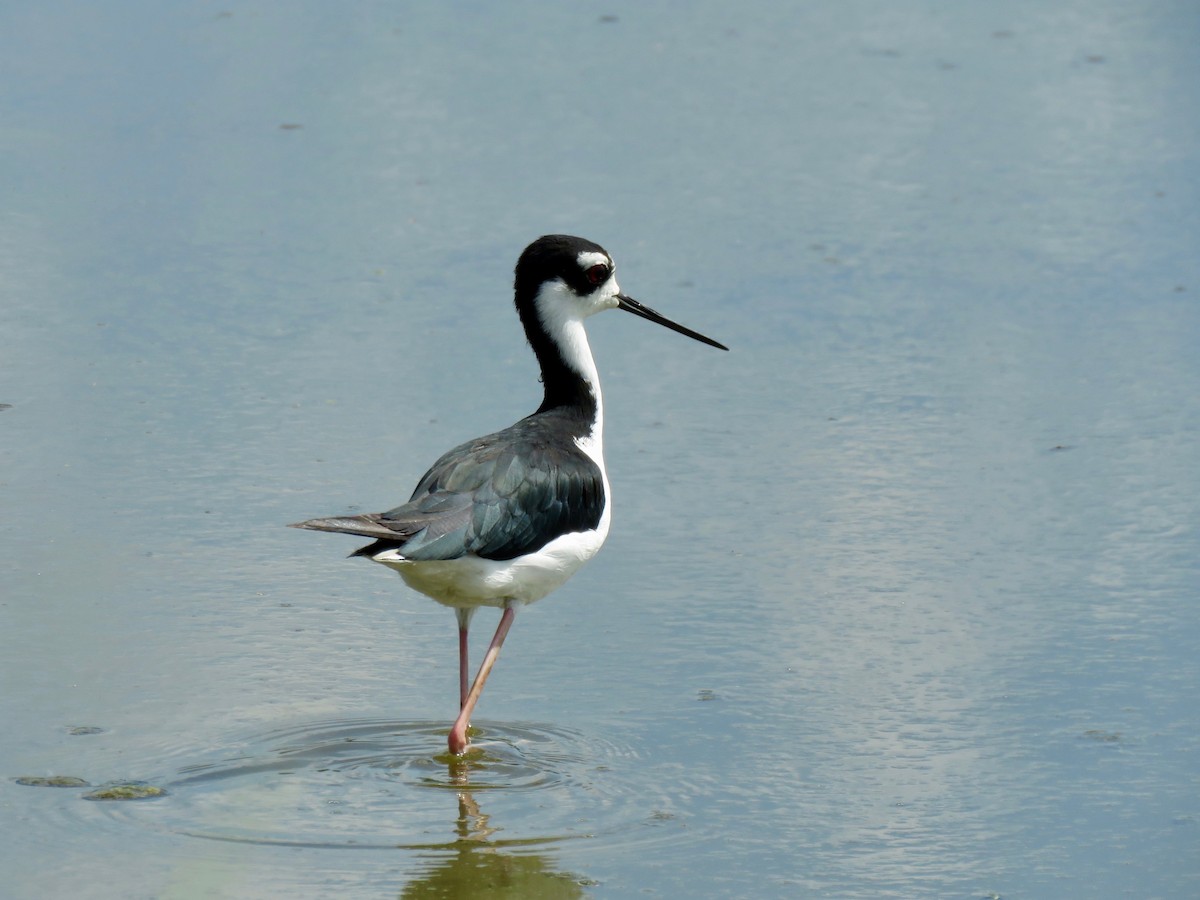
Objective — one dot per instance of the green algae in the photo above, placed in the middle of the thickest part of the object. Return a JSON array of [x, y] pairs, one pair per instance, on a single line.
[[126, 790], [60, 781]]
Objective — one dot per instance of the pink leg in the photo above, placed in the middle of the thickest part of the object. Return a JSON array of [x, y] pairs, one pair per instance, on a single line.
[[458, 734], [463, 667]]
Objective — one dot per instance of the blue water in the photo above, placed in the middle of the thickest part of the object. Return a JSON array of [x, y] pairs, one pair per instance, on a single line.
[[901, 594]]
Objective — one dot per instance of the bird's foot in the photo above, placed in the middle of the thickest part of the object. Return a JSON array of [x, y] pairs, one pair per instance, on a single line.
[[458, 739]]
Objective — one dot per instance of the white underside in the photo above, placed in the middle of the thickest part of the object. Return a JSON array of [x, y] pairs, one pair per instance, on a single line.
[[471, 581]]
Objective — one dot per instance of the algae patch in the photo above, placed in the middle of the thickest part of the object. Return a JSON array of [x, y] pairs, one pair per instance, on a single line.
[[51, 781], [125, 790]]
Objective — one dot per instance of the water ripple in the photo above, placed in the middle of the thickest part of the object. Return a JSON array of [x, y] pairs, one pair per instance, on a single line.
[[382, 784]]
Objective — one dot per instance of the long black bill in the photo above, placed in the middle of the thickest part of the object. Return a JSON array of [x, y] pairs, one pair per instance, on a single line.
[[638, 309]]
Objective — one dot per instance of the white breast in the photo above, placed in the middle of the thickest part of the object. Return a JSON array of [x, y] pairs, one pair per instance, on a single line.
[[471, 581]]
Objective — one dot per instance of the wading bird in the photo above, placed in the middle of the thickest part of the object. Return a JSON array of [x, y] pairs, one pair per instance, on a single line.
[[505, 519]]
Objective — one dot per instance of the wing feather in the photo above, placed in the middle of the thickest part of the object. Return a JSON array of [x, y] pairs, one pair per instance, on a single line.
[[497, 497]]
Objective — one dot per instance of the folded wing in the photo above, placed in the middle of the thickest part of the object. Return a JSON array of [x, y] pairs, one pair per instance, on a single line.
[[497, 497]]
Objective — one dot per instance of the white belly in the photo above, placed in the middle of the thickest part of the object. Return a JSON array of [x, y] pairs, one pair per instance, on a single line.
[[470, 581]]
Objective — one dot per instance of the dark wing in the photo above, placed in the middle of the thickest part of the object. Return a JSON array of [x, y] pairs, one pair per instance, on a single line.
[[497, 497]]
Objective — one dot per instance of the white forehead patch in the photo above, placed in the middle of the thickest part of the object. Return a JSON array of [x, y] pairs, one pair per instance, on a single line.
[[589, 258]]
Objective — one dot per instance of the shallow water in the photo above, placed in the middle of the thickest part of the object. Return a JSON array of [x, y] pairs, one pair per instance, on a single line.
[[901, 594]]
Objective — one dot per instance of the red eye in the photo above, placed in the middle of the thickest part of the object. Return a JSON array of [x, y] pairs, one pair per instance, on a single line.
[[597, 274]]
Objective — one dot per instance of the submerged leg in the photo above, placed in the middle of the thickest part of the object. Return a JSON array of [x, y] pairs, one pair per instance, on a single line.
[[458, 734], [463, 614]]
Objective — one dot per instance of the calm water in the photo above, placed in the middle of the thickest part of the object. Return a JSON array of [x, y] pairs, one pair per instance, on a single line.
[[901, 594]]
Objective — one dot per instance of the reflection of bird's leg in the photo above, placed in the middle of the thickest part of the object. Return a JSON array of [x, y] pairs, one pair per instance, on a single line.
[[459, 771], [472, 824], [463, 614], [458, 734]]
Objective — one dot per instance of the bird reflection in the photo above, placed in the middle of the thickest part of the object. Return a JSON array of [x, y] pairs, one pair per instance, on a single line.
[[472, 823], [475, 865]]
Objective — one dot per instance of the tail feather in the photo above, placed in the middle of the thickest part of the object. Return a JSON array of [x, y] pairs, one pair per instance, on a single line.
[[366, 526], [374, 548]]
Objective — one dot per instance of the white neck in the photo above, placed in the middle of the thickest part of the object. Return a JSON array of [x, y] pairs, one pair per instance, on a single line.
[[561, 313]]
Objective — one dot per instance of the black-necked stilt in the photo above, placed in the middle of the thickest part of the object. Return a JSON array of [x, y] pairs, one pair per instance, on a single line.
[[505, 519]]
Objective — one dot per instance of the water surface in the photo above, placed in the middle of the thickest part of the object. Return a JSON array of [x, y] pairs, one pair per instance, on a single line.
[[901, 594]]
